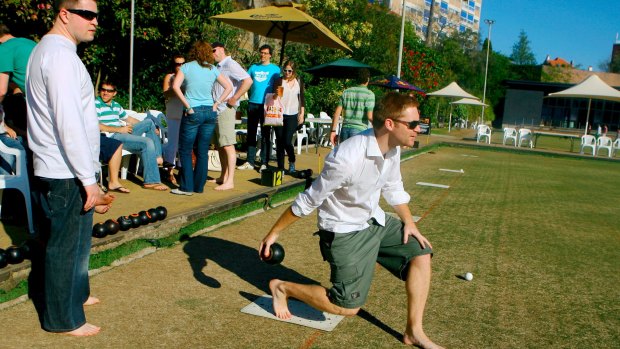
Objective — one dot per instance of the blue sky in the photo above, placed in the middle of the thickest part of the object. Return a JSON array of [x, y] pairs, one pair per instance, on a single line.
[[583, 31]]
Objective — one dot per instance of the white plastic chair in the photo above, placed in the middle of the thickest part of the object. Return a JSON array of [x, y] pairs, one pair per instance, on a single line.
[[18, 180], [510, 133], [588, 141], [615, 146], [525, 136], [483, 131], [299, 136], [604, 142], [325, 130]]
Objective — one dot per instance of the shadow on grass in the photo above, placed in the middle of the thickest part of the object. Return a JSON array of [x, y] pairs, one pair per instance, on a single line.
[[239, 259], [382, 326]]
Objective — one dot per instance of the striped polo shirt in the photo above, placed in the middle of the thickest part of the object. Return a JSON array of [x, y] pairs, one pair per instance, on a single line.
[[355, 102], [110, 115]]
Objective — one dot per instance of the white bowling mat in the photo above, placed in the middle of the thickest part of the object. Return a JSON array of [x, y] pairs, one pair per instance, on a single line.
[[455, 171], [433, 185], [303, 314]]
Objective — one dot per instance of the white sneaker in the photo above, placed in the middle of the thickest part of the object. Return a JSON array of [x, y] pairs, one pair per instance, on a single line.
[[180, 192], [246, 166], [262, 167]]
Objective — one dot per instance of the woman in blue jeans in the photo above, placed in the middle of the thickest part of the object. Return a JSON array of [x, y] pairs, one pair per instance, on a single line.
[[200, 117], [294, 105]]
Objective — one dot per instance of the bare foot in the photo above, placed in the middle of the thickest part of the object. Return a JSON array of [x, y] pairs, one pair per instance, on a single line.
[[278, 293], [83, 331], [419, 340], [101, 209], [225, 186], [216, 181], [92, 301], [104, 199]]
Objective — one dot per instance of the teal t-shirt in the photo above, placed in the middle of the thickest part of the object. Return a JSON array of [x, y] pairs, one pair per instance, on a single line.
[[14, 54], [263, 77], [199, 83]]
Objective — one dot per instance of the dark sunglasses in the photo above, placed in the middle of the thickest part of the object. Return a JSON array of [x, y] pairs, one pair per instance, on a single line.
[[179, 64], [111, 90], [411, 124], [86, 14]]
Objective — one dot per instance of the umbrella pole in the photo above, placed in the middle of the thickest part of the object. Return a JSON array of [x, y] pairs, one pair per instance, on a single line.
[[588, 116], [436, 113], [284, 31], [450, 121]]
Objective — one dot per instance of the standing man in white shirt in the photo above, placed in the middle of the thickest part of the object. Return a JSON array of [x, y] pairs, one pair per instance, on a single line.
[[63, 133], [226, 113], [355, 233]]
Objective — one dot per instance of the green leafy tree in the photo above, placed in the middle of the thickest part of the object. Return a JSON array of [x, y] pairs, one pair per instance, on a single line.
[[521, 52]]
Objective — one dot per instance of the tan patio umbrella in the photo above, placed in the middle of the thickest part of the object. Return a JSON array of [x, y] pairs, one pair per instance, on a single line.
[[453, 90], [591, 88], [287, 22], [467, 101]]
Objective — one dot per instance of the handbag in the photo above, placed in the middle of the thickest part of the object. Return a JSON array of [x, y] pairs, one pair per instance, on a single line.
[[274, 110], [214, 161]]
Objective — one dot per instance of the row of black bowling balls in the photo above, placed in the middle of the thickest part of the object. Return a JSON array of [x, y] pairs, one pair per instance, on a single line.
[[134, 220], [14, 255]]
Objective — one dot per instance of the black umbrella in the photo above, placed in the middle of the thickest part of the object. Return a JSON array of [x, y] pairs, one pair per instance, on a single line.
[[343, 68]]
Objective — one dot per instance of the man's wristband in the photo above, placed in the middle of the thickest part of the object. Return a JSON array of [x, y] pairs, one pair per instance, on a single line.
[[333, 131]]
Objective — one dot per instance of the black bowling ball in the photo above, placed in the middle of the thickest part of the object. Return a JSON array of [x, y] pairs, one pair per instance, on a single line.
[[14, 255], [124, 223], [3, 259], [100, 230], [145, 218], [163, 212], [112, 226], [135, 220], [305, 174], [276, 255], [154, 213]]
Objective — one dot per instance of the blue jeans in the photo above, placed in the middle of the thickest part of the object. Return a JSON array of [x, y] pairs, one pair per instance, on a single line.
[[7, 161], [67, 252], [196, 129], [347, 132], [149, 147]]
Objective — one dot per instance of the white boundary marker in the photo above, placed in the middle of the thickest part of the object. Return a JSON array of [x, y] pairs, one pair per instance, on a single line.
[[433, 185], [303, 314], [455, 171], [471, 156]]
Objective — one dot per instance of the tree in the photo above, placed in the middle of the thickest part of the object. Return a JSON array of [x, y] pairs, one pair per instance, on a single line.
[[521, 52]]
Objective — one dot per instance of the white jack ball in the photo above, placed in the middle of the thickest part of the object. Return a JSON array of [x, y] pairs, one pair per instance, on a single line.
[[469, 276]]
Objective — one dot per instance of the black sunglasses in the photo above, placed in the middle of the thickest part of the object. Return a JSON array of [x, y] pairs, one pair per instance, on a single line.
[[288, 70], [86, 14], [411, 124], [111, 90]]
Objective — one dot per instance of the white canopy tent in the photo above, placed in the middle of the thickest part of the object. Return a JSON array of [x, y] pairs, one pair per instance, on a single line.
[[591, 88], [453, 90], [467, 101]]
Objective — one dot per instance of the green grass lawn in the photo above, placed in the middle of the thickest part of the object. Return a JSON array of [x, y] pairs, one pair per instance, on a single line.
[[542, 238]]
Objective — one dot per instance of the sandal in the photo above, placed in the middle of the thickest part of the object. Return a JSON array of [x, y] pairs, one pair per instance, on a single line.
[[157, 187], [173, 179], [120, 189]]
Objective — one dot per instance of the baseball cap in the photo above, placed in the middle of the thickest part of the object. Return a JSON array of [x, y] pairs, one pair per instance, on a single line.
[[217, 44]]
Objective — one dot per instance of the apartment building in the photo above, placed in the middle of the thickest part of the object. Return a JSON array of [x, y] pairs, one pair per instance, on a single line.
[[449, 15]]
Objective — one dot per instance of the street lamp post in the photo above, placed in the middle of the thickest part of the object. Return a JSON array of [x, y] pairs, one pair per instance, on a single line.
[[490, 22], [402, 36]]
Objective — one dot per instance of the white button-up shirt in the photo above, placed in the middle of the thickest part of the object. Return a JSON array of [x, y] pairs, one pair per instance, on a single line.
[[348, 190]]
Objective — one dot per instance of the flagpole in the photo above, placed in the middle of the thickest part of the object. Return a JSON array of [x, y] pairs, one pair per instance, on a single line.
[[402, 37]]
